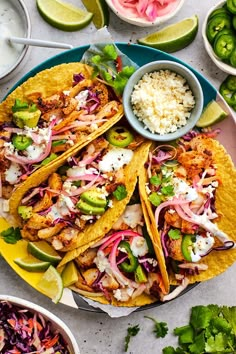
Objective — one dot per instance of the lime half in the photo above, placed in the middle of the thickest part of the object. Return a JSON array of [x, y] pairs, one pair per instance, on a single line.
[[174, 37], [69, 274], [63, 15], [100, 12], [51, 284], [213, 113], [32, 264], [43, 251]]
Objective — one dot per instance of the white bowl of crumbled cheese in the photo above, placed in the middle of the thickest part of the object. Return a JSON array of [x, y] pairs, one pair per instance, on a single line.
[[163, 100]]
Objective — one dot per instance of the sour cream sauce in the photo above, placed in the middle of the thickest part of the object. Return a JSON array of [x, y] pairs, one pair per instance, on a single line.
[[10, 25]]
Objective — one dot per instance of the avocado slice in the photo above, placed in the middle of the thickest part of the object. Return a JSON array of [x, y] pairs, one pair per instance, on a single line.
[[25, 211], [140, 276], [94, 198], [26, 118], [89, 209]]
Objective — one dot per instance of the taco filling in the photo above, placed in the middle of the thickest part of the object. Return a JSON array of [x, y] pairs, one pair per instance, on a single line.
[[39, 129], [78, 194], [181, 189], [122, 267]]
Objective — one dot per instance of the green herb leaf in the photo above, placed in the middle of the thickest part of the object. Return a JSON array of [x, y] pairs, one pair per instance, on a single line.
[[96, 59], [168, 350], [110, 52], [120, 192], [128, 71], [155, 180], [168, 190], [175, 234], [160, 328], [155, 199], [11, 235], [200, 317], [131, 332], [230, 315]]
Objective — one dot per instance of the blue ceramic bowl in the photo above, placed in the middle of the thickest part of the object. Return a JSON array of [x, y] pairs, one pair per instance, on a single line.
[[193, 84]]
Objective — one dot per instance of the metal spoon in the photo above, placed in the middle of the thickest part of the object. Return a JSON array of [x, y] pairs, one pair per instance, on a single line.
[[39, 43]]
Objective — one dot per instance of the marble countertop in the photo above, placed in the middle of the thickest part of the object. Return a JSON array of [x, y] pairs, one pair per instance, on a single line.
[[96, 332]]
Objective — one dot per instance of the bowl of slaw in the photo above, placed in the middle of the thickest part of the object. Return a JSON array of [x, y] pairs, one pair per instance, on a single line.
[[145, 13], [26, 327]]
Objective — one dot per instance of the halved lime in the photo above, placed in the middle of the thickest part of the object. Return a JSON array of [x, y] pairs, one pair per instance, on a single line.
[[213, 113], [44, 251], [69, 274], [63, 15], [51, 284], [32, 264], [100, 11], [173, 37]]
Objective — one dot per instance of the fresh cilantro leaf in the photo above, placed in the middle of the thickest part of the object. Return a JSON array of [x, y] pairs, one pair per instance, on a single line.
[[155, 180], [185, 333], [131, 332], [216, 344], [168, 190], [160, 328], [200, 317], [96, 59], [106, 76], [229, 314], [168, 350], [119, 83], [198, 347], [120, 192], [175, 234], [128, 71], [11, 235], [110, 52], [155, 199], [220, 324]]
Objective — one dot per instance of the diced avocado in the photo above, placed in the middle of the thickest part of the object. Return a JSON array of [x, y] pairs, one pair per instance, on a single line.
[[89, 209], [25, 211], [94, 198], [26, 118], [140, 276]]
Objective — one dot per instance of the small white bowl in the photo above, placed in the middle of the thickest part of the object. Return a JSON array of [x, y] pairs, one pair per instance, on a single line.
[[193, 84], [56, 323], [20, 9], [142, 22], [218, 62]]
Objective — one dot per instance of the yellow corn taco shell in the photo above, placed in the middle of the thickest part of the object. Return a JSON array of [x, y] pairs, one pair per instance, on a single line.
[[45, 84], [217, 261]]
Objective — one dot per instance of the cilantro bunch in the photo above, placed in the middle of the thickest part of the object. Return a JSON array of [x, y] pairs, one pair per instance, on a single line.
[[163, 185], [212, 329], [108, 65]]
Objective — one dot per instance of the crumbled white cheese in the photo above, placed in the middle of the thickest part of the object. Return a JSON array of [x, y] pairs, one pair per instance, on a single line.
[[163, 101], [13, 173], [82, 98], [132, 216], [139, 246], [34, 151]]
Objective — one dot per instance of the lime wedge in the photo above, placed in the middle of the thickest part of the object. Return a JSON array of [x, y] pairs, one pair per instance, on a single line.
[[69, 274], [213, 113], [63, 15], [100, 12], [43, 251], [51, 284], [173, 37], [32, 264]]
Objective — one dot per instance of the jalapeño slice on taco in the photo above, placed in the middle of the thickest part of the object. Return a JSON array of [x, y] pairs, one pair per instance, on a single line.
[[188, 189], [122, 268], [80, 201], [49, 116]]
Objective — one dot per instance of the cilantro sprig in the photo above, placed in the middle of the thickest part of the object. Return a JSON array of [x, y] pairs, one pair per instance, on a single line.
[[131, 332], [105, 65], [11, 235], [211, 329], [160, 328], [120, 192]]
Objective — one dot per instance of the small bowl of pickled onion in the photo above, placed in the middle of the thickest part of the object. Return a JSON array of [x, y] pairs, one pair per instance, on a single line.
[[145, 13]]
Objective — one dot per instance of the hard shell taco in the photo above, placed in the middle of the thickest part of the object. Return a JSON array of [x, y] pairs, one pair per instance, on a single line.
[[78, 202], [189, 192], [48, 117], [123, 267]]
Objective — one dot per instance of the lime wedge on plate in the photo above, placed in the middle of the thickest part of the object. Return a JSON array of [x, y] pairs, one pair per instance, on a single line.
[[69, 274], [43, 251], [213, 113], [32, 264], [51, 284], [173, 37], [99, 9], [63, 15]]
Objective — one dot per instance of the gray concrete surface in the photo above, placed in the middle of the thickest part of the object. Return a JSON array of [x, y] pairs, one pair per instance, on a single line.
[[96, 332]]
